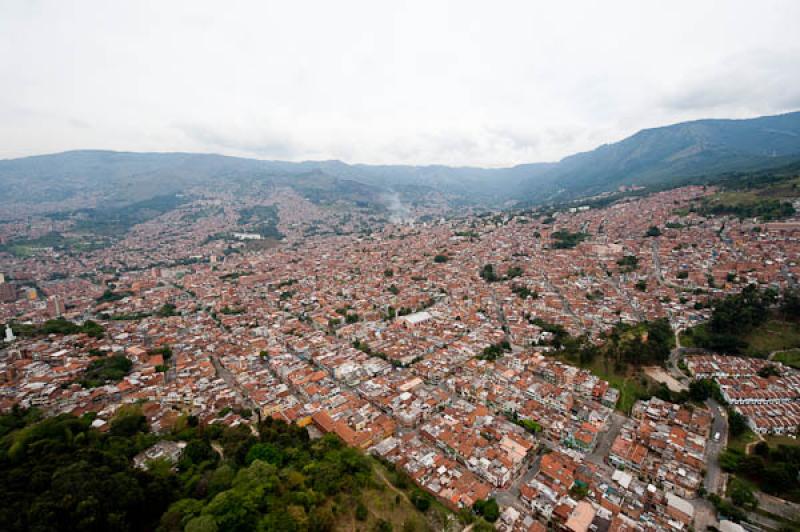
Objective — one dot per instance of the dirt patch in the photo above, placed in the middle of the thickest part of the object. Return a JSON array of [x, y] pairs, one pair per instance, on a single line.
[[660, 375]]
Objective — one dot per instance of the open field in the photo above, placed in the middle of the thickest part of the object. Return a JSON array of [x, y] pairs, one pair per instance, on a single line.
[[789, 358], [774, 335], [659, 374]]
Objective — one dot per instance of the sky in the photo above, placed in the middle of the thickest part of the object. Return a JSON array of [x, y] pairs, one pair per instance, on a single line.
[[465, 82]]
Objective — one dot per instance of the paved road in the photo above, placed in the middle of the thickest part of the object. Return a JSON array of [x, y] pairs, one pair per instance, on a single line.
[[705, 514], [229, 379], [510, 496], [606, 439], [715, 478]]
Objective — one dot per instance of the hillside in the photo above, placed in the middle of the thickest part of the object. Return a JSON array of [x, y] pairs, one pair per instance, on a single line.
[[676, 153], [659, 157], [60, 473]]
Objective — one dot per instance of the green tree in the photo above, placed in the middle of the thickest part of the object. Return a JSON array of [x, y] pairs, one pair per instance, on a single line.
[[487, 509]]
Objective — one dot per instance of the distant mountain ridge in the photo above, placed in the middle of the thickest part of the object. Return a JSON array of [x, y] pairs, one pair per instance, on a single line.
[[679, 151], [662, 156]]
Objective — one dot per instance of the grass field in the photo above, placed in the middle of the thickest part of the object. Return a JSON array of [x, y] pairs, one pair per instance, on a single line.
[[383, 504], [774, 335], [774, 441], [740, 443], [790, 358]]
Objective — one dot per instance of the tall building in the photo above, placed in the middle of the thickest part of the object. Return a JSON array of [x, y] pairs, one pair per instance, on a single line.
[[55, 306]]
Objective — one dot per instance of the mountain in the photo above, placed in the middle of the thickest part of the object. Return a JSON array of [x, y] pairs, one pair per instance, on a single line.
[[658, 157], [673, 153]]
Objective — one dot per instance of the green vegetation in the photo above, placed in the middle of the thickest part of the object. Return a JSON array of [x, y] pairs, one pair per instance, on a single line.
[[115, 221], [494, 351], [789, 358], [774, 470], [628, 263], [61, 474], [746, 205], [653, 231], [753, 322], [489, 274], [524, 292], [25, 247], [560, 334], [440, 259], [109, 295], [105, 370], [564, 239], [726, 508], [625, 349], [528, 424], [741, 441], [165, 352], [487, 509], [166, 310], [261, 219], [58, 326]]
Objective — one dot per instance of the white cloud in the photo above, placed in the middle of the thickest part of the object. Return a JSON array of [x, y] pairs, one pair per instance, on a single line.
[[457, 82]]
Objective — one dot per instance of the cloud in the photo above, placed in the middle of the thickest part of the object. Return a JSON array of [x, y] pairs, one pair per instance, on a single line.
[[757, 82], [458, 82], [258, 142]]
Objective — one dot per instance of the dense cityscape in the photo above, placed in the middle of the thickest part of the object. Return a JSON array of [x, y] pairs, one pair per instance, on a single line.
[[453, 348], [417, 266]]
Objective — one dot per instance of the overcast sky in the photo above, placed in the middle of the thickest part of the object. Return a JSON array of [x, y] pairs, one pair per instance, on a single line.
[[461, 83]]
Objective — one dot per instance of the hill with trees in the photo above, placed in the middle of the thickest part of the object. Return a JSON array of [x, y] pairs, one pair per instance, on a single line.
[[60, 473]]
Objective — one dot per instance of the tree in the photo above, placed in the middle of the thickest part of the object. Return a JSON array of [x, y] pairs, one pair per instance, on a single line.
[[487, 509], [741, 494], [204, 523], [628, 263], [701, 389], [737, 424], [383, 526], [653, 231], [488, 274], [421, 500], [769, 370], [440, 259]]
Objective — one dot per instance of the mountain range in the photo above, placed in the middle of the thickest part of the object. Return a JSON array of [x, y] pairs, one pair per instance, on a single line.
[[659, 157]]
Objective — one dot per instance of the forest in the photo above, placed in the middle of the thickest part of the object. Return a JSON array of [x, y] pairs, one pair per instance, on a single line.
[[60, 473]]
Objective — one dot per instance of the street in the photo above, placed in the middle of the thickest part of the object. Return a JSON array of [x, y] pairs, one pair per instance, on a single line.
[[715, 478]]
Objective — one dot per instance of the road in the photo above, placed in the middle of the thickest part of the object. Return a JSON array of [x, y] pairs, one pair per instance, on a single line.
[[715, 478], [606, 439], [705, 514], [510, 496], [229, 379]]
